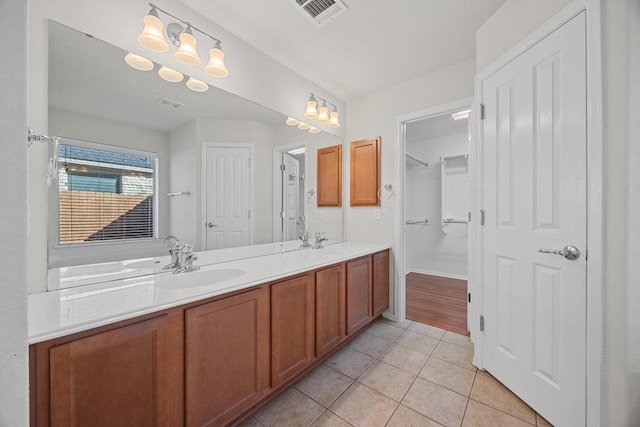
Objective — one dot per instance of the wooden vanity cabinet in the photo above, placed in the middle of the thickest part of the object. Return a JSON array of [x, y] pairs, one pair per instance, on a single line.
[[330, 308], [364, 165], [125, 375], [226, 357], [380, 282], [292, 327], [359, 295], [329, 176]]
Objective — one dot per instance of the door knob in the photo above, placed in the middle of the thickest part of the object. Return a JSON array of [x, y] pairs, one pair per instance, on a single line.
[[569, 252], [211, 225]]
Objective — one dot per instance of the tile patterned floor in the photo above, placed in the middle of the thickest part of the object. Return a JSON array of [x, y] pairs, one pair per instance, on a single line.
[[398, 375]]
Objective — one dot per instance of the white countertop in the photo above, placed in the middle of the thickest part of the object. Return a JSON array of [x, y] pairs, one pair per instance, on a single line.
[[139, 287]]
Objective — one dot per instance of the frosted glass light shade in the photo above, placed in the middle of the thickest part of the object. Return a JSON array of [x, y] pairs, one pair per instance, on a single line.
[[216, 66], [138, 62], [170, 75], [151, 36], [314, 130], [303, 126], [323, 113], [187, 53], [292, 122], [333, 120], [197, 85], [311, 112]]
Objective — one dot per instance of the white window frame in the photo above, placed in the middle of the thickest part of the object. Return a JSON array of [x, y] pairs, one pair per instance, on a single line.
[[99, 251]]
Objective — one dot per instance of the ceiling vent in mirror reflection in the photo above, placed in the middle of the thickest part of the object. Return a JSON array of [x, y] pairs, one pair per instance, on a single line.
[[170, 103], [321, 12]]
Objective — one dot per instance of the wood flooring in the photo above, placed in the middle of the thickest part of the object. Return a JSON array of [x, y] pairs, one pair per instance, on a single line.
[[437, 301]]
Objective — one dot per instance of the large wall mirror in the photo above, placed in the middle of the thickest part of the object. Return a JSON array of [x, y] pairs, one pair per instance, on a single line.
[[201, 150]]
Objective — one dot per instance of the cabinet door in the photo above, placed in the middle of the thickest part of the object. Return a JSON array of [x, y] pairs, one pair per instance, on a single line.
[[358, 294], [365, 172], [121, 377], [292, 329], [380, 282], [227, 357], [329, 176], [330, 308]]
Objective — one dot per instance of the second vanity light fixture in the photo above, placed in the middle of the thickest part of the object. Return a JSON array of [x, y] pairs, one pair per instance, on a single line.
[[321, 114], [152, 37]]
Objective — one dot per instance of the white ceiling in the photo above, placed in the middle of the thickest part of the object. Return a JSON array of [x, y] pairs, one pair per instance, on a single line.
[[374, 45], [89, 76]]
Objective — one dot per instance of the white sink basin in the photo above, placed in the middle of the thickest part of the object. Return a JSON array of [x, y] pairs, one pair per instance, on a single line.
[[147, 263], [196, 279]]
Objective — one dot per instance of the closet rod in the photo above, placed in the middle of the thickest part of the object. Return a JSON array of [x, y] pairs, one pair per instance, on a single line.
[[416, 159], [459, 156]]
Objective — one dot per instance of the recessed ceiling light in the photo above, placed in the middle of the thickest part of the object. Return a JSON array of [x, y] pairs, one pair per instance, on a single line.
[[459, 115]]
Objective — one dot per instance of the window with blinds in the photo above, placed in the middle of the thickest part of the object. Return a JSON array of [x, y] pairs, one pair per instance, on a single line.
[[105, 193]]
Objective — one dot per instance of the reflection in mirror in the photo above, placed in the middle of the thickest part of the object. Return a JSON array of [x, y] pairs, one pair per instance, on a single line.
[[217, 181]]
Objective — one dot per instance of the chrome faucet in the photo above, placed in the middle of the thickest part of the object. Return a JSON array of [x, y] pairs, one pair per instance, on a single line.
[[305, 240], [174, 250], [186, 257], [319, 240]]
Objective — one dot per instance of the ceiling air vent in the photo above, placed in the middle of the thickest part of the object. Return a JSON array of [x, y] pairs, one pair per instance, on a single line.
[[170, 103], [321, 12]]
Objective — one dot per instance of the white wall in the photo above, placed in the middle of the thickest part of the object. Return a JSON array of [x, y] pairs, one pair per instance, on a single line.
[[621, 33], [323, 219], [375, 115], [93, 129], [429, 249], [14, 385], [510, 24]]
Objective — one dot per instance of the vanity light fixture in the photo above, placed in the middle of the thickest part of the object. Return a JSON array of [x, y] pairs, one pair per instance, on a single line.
[[314, 130], [138, 62], [170, 74], [292, 122], [321, 114], [197, 85], [302, 125], [181, 35], [459, 115]]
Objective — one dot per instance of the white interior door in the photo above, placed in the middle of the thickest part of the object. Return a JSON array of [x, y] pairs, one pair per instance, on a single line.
[[228, 188], [290, 195], [534, 197]]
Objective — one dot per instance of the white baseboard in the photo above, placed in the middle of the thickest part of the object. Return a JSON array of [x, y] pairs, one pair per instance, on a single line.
[[438, 273]]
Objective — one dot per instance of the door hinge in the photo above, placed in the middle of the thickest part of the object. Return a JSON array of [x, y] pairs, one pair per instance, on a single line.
[[469, 216], [281, 214], [469, 297], [481, 111], [481, 216], [282, 167], [481, 323]]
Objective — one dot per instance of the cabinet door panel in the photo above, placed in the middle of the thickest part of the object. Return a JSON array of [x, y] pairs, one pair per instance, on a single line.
[[330, 308], [359, 303], [292, 328], [227, 358], [365, 172], [329, 176], [380, 282], [118, 377]]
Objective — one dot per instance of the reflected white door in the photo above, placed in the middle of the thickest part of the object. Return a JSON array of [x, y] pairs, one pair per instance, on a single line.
[[534, 197], [290, 195], [227, 181]]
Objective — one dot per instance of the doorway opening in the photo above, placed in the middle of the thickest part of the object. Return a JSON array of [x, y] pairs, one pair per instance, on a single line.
[[433, 210], [289, 215]]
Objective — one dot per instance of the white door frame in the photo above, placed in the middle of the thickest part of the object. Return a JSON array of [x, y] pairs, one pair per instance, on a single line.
[[595, 194], [401, 150], [277, 182], [203, 186]]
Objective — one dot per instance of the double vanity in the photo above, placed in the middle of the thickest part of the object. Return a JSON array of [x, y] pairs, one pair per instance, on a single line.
[[133, 344]]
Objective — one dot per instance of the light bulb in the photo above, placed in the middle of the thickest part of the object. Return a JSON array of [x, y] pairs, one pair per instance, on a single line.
[[333, 120], [187, 53], [151, 36], [197, 85], [311, 112], [138, 62], [216, 66], [170, 75], [323, 113], [292, 122]]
